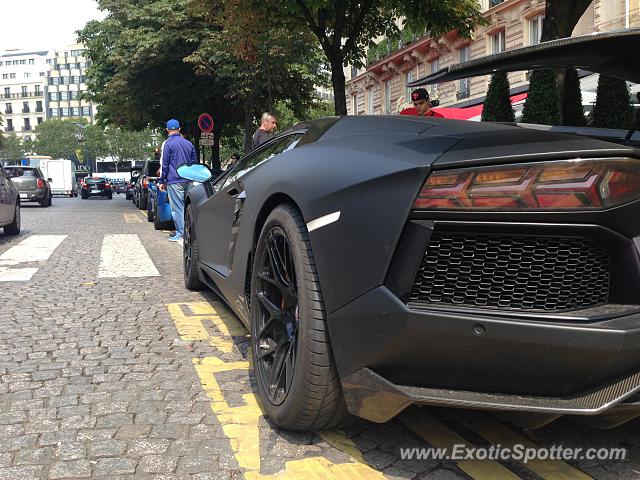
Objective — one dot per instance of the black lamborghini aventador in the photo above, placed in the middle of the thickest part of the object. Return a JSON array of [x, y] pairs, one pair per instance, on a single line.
[[386, 261]]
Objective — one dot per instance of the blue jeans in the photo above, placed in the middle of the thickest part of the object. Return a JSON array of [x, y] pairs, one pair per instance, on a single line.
[[176, 200]]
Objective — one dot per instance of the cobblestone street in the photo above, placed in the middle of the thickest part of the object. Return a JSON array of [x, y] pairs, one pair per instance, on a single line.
[[123, 373]]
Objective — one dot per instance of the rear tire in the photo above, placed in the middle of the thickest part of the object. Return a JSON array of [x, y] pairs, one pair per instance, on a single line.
[[150, 211], [296, 376], [14, 227], [190, 253], [143, 203]]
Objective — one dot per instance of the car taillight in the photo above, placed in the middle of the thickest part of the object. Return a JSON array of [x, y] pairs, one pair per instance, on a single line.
[[40, 183], [107, 186], [84, 185], [562, 185]]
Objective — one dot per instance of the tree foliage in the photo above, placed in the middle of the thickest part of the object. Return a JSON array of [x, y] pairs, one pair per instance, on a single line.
[[58, 138], [11, 149], [344, 29], [613, 106], [542, 101], [572, 110], [125, 145], [497, 105]]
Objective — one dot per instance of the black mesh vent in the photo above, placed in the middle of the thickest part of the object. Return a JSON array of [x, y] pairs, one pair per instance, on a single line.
[[512, 272]]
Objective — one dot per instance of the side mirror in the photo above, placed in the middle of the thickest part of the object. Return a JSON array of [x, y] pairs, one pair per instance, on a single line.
[[196, 172]]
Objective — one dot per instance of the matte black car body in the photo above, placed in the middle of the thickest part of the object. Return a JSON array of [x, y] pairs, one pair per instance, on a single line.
[[392, 349]]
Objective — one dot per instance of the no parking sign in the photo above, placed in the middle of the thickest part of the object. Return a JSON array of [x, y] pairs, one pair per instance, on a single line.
[[205, 122]]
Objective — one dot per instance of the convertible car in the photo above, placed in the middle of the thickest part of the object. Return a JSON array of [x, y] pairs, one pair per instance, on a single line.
[[385, 261]]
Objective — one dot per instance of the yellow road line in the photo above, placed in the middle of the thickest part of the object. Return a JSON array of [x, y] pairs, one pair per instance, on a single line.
[[132, 218], [497, 433], [438, 435], [240, 423]]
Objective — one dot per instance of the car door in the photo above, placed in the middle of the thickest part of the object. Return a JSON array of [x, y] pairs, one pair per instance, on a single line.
[[6, 198], [217, 216]]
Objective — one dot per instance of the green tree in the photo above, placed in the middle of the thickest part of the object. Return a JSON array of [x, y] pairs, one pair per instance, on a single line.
[[613, 106], [572, 110], [59, 138], [541, 105], [12, 149], [127, 146], [497, 105], [345, 28], [94, 144]]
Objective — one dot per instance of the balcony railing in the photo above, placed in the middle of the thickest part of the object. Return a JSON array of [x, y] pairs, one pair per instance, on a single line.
[[26, 110], [22, 95], [10, 129], [26, 128], [8, 111]]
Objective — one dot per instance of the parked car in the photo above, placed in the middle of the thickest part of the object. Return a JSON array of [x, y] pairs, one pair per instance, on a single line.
[[96, 187], [159, 210], [9, 205], [121, 187], [31, 184], [381, 262], [149, 171]]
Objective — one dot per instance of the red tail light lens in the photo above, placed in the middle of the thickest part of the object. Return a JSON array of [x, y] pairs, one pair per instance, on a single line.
[[40, 183], [107, 186], [563, 185]]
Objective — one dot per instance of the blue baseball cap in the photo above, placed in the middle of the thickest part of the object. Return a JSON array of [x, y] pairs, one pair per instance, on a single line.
[[173, 124]]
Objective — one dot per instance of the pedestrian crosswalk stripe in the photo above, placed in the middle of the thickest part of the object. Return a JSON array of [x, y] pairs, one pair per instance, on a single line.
[[123, 255], [36, 248]]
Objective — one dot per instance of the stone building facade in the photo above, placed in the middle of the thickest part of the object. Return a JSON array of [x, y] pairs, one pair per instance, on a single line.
[[380, 88]]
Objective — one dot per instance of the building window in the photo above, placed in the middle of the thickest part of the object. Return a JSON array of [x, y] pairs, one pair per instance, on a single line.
[[23, 62], [75, 111], [7, 92], [498, 42], [64, 95], [39, 106], [24, 92], [53, 96], [86, 111], [387, 97], [535, 29], [54, 81], [32, 61], [5, 76], [38, 91], [73, 95], [9, 125], [64, 112], [66, 80], [370, 101], [25, 107], [53, 112], [42, 74], [39, 120], [464, 91], [12, 75], [27, 125], [409, 77], [434, 88], [27, 74], [494, 3], [8, 109]]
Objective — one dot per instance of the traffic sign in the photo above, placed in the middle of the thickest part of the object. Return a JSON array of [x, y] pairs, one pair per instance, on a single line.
[[205, 122], [206, 138]]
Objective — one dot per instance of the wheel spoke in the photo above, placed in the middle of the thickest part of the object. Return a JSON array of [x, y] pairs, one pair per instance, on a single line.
[[277, 368], [267, 326], [277, 264]]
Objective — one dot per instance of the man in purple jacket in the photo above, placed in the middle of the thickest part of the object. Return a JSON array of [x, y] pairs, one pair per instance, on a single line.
[[175, 152]]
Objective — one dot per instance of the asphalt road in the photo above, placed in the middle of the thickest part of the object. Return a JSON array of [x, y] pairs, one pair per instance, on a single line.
[[109, 368]]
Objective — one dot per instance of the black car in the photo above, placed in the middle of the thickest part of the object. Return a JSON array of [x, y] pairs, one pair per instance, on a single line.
[[9, 205], [96, 187], [381, 262], [31, 184], [148, 173]]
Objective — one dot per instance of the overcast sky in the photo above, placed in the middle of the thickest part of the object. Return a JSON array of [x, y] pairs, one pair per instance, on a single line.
[[44, 24]]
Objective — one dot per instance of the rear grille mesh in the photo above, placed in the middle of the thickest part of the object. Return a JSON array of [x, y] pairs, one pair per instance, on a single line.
[[512, 272]]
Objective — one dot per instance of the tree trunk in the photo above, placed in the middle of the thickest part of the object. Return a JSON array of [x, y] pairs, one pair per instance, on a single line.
[[248, 128], [338, 81], [215, 148], [561, 17]]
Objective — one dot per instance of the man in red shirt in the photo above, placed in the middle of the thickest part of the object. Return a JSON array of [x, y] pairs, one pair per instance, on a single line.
[[421, 105]]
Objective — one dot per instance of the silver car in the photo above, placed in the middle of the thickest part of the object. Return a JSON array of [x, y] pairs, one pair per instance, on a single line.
[[9, 205], [31, 184]]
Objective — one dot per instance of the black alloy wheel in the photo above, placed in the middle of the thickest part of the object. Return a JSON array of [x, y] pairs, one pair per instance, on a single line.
[[277, 323], [190, 253], [296, 376]]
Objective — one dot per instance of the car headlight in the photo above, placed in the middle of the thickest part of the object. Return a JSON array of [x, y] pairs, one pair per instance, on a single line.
[[559, 185]]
